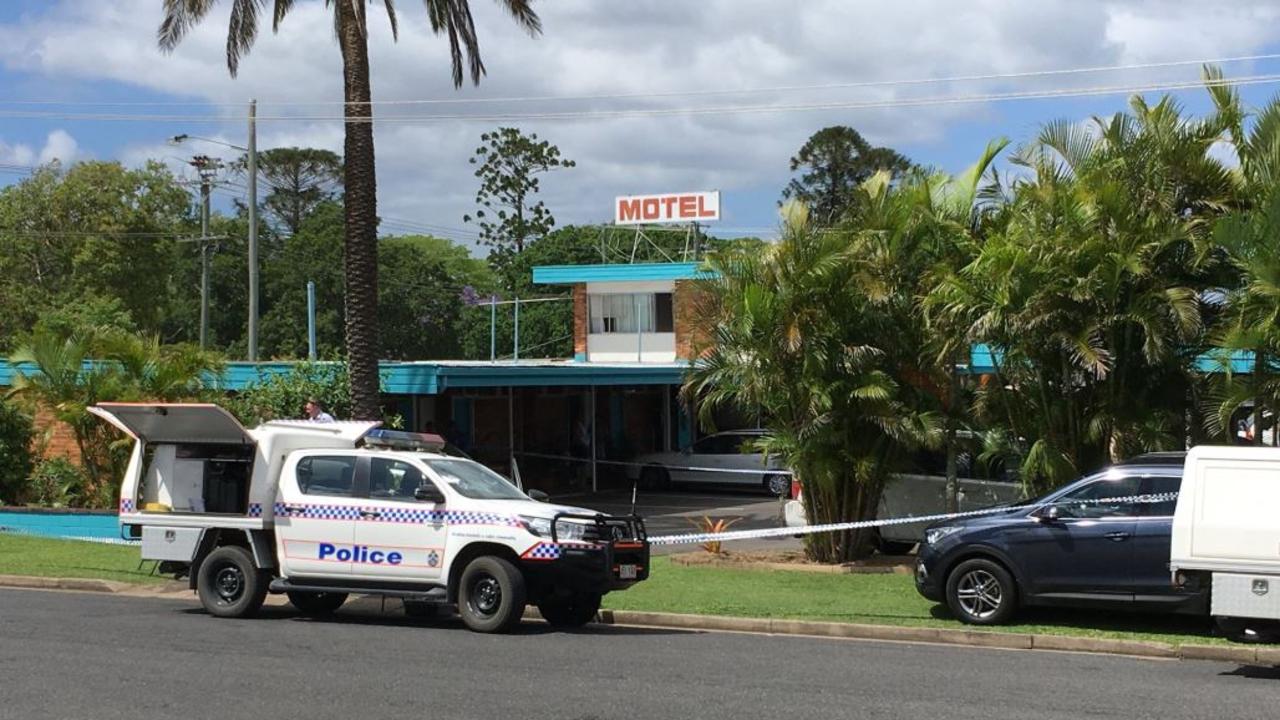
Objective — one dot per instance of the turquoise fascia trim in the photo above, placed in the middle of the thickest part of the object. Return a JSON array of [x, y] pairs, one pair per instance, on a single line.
[[579, 357], [570, 274]]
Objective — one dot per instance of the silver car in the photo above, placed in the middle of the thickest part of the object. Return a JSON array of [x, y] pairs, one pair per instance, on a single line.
[[724, 458]]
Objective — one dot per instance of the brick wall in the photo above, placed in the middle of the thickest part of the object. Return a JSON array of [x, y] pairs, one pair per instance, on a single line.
[[692, 332], [56, 437], [580, 320]]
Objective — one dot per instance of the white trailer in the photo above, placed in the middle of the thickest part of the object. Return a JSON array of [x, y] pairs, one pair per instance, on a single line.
[[322, 510], [1226, 536]]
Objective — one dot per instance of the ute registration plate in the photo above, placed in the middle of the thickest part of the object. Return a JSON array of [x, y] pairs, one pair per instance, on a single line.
[[627, 572]]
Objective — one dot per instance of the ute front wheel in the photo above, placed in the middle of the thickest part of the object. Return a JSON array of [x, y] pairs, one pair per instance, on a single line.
[[491, 597]]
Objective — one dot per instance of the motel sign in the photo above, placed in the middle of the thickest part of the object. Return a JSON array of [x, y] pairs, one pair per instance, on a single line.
[[667, 208]]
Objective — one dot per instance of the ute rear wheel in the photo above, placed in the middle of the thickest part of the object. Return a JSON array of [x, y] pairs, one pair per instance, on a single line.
[[317, 604], [491, 596], [573, 611], [229, 584]]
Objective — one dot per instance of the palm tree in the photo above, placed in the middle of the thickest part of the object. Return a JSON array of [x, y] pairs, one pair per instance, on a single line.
[[1091, 284], [1251, 308], [66, 373], [448, 17]]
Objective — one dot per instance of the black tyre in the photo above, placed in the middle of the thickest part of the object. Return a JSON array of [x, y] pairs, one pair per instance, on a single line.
[[573, 611], [229, 585], [317, 604], [421, 610], [655, 478], [778, 486], [491, 596], [1248, 630], [981, 592]]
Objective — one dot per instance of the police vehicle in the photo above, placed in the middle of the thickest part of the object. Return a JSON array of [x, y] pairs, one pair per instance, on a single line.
[[319, 511]]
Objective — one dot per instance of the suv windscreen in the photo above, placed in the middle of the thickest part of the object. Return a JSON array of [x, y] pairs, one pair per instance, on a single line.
[[473, 480]]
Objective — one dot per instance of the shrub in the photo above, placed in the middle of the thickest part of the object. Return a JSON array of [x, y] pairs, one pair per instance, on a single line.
[[281, 397], [58, 482], [15, 452]]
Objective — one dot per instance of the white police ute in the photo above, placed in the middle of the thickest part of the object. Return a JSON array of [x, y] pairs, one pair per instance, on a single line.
[[319, 511]]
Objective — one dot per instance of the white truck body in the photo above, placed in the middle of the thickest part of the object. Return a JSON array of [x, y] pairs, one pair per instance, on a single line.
[[1226, 529], [320, 512]]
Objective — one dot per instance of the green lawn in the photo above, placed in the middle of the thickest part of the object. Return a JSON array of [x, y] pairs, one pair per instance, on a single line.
[[49, 557], [870, 599]]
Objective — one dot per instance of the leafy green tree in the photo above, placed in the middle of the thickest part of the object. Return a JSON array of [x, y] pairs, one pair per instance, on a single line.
[[546, 328], [509, 165], [832, 164], [313, 254], [93, 230], [451, 18], [419, 293], [420, 303], [298, 180]]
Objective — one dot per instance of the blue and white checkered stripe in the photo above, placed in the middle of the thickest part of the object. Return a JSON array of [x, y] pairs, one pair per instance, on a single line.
[[126, 505], [255, 510], [542, 551], [405, 515]]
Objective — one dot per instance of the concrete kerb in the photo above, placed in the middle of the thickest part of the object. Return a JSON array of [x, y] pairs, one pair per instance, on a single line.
[[48, 583], [1244, 654]]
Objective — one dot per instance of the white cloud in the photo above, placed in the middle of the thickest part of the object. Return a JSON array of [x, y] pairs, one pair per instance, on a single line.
[[59, 145], [593, 47]]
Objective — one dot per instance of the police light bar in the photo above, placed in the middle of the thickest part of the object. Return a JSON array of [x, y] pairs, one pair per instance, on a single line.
[[401, 440]]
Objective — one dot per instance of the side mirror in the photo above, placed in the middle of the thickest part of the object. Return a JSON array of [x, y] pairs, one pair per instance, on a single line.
[[539, 496], [429, 493], [1049, 514]]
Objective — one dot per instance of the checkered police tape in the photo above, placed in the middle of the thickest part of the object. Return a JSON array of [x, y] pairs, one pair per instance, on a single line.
[[694, 538]]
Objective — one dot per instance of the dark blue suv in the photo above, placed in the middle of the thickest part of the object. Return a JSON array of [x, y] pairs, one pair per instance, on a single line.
[[1081, 555]]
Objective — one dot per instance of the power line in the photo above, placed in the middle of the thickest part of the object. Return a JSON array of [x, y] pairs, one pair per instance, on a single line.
[[1055, 72], [937, 100]]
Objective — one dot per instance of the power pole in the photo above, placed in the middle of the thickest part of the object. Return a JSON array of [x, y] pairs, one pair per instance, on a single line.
[[253, 230], [207, 168]]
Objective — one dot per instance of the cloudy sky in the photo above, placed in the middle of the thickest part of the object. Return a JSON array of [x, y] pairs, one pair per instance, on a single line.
[[60, 59]]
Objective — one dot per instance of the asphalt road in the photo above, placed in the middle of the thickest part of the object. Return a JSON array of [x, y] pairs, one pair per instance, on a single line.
[[67, 655]]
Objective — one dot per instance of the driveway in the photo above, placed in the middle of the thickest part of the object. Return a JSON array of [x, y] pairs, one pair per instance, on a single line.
[[673, 513]]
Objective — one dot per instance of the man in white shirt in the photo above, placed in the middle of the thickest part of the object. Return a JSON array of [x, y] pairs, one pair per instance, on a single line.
[[315, 412]]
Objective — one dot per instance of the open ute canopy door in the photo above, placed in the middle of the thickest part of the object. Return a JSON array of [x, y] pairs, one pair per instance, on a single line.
[[175, 422]]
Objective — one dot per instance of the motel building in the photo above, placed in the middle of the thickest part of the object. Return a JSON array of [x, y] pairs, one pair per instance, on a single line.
[[635, 327]]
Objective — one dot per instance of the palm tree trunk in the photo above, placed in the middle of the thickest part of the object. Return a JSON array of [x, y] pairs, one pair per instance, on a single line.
[[360, 206]]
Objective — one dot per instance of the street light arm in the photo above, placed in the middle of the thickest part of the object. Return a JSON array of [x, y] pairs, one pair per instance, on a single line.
[[179, 139]]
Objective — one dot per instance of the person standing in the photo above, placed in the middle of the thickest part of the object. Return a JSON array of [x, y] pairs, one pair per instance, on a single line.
[[315, 412]]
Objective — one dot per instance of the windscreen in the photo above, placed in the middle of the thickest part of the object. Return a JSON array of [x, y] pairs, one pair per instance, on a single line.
[[474, 480]]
